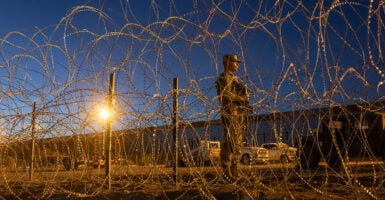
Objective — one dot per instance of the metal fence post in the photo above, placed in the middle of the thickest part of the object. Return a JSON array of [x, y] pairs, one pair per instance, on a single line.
[[32, 142], [109, 130], [175, 131]]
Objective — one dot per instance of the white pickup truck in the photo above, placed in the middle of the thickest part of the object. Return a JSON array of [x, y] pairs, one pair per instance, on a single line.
[[280, 152], [206, 152], [253, 154]]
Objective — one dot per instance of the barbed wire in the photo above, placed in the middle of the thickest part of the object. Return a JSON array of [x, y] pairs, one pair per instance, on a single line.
[[314, 69]]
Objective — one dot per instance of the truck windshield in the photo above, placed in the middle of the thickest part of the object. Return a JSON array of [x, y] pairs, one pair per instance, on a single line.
[[214, 145]]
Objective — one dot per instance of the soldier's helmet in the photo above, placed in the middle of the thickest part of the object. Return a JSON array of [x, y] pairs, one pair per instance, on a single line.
[[230, 58]]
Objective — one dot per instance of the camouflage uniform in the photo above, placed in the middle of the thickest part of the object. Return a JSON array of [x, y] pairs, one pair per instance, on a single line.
[[231, 94]]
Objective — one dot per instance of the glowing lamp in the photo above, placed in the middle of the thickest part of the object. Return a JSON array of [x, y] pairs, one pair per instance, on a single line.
[[104, 114]]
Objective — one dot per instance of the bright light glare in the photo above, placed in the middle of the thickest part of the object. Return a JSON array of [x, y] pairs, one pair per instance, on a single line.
[[104, 113]]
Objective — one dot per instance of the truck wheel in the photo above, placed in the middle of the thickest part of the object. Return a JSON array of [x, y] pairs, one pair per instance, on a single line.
[[245, 159], [284, 159], [199, 161], [309, 155], [214, 162], [67, 163]]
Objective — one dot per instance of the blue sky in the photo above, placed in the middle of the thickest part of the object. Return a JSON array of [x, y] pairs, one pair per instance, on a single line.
[[24, 16], [297, 56]]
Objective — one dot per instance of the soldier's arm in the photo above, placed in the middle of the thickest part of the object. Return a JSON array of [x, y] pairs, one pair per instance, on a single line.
[[228, 94]]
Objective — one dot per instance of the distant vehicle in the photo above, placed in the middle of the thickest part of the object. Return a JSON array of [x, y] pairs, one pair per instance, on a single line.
[[253, 154], [205, 153], [280, 152], [70, 164], [99, 163]]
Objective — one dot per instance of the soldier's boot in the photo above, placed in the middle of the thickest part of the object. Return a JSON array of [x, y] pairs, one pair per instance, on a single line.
[[227, 175], [237, 177], [234, 171]]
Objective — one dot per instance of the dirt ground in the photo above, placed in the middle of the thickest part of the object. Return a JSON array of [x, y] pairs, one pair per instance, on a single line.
[[292, 188], [274, 184]]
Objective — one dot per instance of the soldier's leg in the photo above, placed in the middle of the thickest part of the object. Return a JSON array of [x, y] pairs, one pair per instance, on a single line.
[[235, 159], [225, 157], [226, 152], [237, 145], [230, 141], [234, 169]]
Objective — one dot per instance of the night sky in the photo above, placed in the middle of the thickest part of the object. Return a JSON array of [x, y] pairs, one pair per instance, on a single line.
[[297, 56]]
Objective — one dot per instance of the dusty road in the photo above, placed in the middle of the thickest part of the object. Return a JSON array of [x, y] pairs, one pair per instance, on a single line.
[[273, 181]]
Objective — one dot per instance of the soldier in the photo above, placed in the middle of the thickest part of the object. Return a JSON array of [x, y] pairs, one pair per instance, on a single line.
[[233, 96]]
